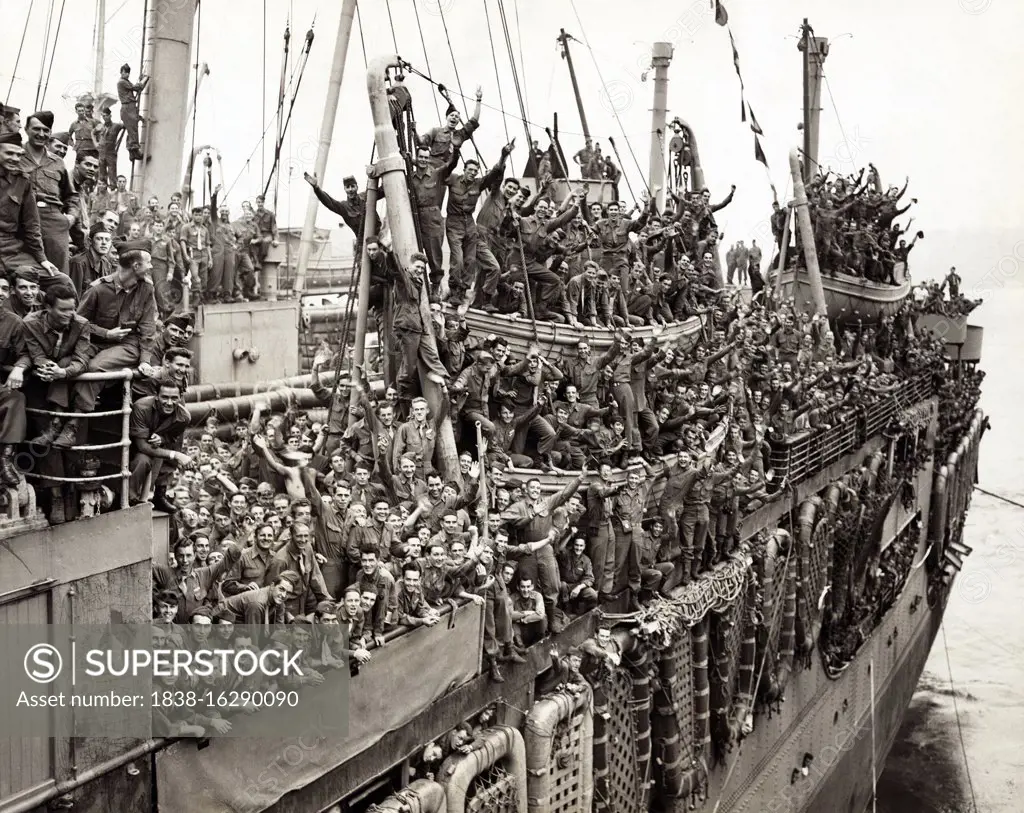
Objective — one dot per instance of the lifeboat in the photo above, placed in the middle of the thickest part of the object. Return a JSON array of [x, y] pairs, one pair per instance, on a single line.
[[554, 338], [849, 298]]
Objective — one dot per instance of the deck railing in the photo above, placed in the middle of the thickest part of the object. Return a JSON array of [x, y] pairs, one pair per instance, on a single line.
[[803, 455], [124, 443]]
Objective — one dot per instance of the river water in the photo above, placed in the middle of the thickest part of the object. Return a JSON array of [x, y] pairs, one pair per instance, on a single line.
[[984, 629]]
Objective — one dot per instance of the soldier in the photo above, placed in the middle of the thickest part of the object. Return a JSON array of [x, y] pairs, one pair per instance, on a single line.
[[56, 198], [428, 183], [195, 244], [266, 226], [10, 119], [108, 136], [444, 142], [85, 129], [21, 239], [464, 192], [128, 95]]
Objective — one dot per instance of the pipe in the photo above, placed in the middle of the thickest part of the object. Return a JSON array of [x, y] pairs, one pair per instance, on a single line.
[[422, 796], [499, 743], [100, 40], [390, 168], [661, 58], [42, 797], [363, 307], [169, 48], [348, 11], [803, 222]]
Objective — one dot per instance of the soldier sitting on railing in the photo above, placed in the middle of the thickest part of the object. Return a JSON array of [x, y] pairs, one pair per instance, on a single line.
[[122, 310]]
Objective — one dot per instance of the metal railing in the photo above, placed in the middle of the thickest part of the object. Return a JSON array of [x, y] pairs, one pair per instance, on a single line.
[[124, 444], [803, 455]]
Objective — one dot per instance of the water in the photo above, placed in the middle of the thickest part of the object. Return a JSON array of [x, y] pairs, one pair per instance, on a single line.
[[984, 628]]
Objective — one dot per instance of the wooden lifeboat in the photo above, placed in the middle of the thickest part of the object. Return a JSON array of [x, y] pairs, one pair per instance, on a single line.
[[849, 298], [554, 338]]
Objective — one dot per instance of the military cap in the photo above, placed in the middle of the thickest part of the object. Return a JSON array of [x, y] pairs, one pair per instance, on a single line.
[[11, 138], [27, 273], [135, 245], [44, 117]]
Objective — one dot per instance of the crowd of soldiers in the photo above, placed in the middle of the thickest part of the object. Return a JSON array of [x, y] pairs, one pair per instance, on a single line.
[[341, 523], [854, 226]]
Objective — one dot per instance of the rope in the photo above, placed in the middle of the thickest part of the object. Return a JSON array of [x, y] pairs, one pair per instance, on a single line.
[[53, 53], [426, 59], [959, 727], [1007, 500], [604, 86], [21, 45], [526, 283]]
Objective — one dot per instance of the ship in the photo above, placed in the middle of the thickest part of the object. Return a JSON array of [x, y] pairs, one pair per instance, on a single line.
[[777, 681]]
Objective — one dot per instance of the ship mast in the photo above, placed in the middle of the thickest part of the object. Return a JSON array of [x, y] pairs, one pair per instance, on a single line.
[[564, 38], [99, 38], [661, 57], [168, 34], [390, 169], [348, 11], [814, 49]]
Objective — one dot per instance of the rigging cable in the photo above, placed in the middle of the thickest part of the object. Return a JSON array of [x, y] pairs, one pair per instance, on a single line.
[[497, 76], [522, 62], [426, 59], [281, 91], [515, 73], [291, 107], [362, 39], [842, 129], [21, 45], [263, 106], [615, 111], [959, 727], [391, 20], [53, 53], [195, 99], [458, 81], [42, 56]]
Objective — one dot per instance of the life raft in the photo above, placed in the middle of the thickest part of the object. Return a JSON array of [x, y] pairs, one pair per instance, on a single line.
[[501, 748], [781, 667], [560, 754], [422, 796], [680, 722], [622, 737]]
